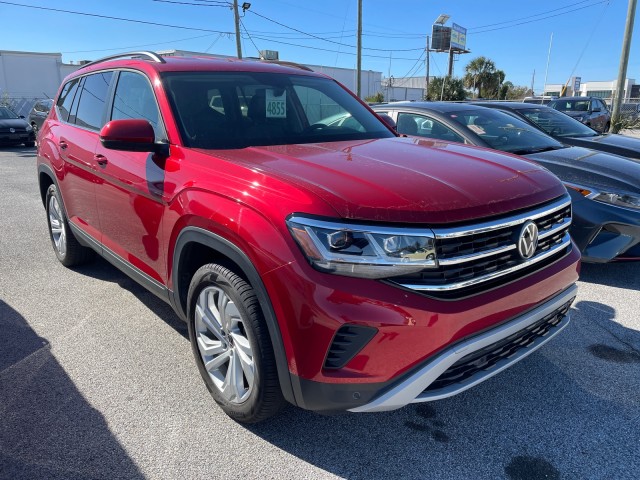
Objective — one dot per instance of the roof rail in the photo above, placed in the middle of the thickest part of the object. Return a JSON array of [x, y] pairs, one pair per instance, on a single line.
[[287, 64], [150, 55]]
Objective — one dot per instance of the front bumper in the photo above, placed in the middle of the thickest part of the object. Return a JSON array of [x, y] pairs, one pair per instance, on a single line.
[[479, 358], [604, 232], [16, 138]]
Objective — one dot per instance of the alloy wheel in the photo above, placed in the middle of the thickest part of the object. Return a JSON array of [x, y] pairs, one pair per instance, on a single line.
[[56, 225], [223, 344]]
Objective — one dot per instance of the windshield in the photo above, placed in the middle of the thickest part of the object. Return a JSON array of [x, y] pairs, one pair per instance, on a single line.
[[556, 123], [6, 114], [241, 109], [570, 105], [504, 132]]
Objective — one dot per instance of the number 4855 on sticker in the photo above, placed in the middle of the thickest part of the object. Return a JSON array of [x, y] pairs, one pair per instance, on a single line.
[[276, 105]]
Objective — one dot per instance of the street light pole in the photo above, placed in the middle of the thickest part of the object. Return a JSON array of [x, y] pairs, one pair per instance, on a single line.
[[237, 20], [624, 61], [426, 89], [359, 48]]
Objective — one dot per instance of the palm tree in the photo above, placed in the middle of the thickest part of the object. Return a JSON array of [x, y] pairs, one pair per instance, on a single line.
[[479, 73]]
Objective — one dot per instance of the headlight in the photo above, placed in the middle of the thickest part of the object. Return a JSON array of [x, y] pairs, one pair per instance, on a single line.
[[619, 199], [361, 250], [29, 128]]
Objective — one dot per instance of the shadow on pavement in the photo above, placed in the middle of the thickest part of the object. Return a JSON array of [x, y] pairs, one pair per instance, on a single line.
[[541, 419], [621, 274], [47, 429], [102, 270], [22, 152]]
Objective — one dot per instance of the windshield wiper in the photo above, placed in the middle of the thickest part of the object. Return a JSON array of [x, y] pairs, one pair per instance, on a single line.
[[527, 151]]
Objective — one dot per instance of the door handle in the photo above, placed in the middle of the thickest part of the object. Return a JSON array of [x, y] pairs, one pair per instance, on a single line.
[[100, 159], [62, 144]]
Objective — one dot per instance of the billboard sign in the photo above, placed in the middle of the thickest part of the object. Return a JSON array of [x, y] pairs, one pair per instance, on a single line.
[[458, 37], [440, 38]]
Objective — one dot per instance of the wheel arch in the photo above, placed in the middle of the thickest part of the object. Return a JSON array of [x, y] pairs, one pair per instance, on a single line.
[[196, 243], [46, 178]]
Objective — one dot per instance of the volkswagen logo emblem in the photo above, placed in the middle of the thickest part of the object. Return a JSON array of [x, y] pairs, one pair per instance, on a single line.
[[12, 130], [528, 240]]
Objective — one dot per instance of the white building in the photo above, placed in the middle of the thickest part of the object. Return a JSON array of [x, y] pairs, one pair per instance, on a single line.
[[600, 89], [370, 81], [28, 76]]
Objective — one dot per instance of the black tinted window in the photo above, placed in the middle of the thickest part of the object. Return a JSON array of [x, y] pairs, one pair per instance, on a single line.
[[134, 99], [240, 109], [93, 97], [66, 99]]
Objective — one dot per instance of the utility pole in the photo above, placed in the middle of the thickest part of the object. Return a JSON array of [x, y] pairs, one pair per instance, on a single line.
[[622, 70], [426, 89], [546, 72], [450, 62], [237, 19], [359, 48], [533, 79]]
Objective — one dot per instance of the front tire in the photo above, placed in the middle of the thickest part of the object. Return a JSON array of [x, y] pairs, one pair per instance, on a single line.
[[68, 250], [231, 345]]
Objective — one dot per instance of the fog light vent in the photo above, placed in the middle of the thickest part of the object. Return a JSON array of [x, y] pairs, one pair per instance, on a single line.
[[347, 342]]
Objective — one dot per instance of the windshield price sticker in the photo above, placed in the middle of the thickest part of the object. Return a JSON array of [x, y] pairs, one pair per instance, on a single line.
[[276, 105]]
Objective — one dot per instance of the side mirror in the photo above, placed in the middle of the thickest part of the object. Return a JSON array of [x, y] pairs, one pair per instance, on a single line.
[[134, 135], [388, 120]]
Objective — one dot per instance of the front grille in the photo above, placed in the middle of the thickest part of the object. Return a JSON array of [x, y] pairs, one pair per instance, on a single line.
[[17, 130], [487, 358], [485, 254]]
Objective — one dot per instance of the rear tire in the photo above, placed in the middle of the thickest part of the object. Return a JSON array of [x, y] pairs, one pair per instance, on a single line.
[[607, 127], [66, 247], [232, 346]]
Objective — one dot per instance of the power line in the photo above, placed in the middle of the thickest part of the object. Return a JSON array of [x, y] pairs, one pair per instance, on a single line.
[[208, 4], [527, 17], [326, 49], [540, 19], [121, 19], [140, 46], [248, 35], [331, 41]]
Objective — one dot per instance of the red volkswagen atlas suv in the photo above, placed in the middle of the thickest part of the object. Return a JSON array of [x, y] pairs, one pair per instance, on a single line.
[[317, 257]]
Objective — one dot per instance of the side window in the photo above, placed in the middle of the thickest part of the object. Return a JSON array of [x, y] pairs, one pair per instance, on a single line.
[[134, 98], [92, 100], [422, 126], [66, 99]]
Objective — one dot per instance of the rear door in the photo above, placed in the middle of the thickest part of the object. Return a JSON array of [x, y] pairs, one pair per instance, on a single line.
[[131, 195], [76, 138]]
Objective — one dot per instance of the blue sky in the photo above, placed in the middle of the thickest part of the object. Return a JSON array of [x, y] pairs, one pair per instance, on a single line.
[[515, 34]]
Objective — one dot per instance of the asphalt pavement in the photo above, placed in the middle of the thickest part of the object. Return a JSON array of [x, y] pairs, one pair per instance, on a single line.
[[97, 381]]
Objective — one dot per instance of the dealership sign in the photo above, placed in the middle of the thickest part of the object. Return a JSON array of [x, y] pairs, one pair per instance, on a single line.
[[458, 37]]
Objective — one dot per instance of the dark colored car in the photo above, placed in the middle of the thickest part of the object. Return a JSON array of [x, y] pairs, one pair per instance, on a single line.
[[39, 112], [605, 188], [328, 263], [14, 129], [569, 131], [591, 111]]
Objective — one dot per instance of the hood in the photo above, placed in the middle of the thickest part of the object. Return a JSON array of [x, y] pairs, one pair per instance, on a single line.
[[629, 145], [591, 168], [405, 179], [17, 123]]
